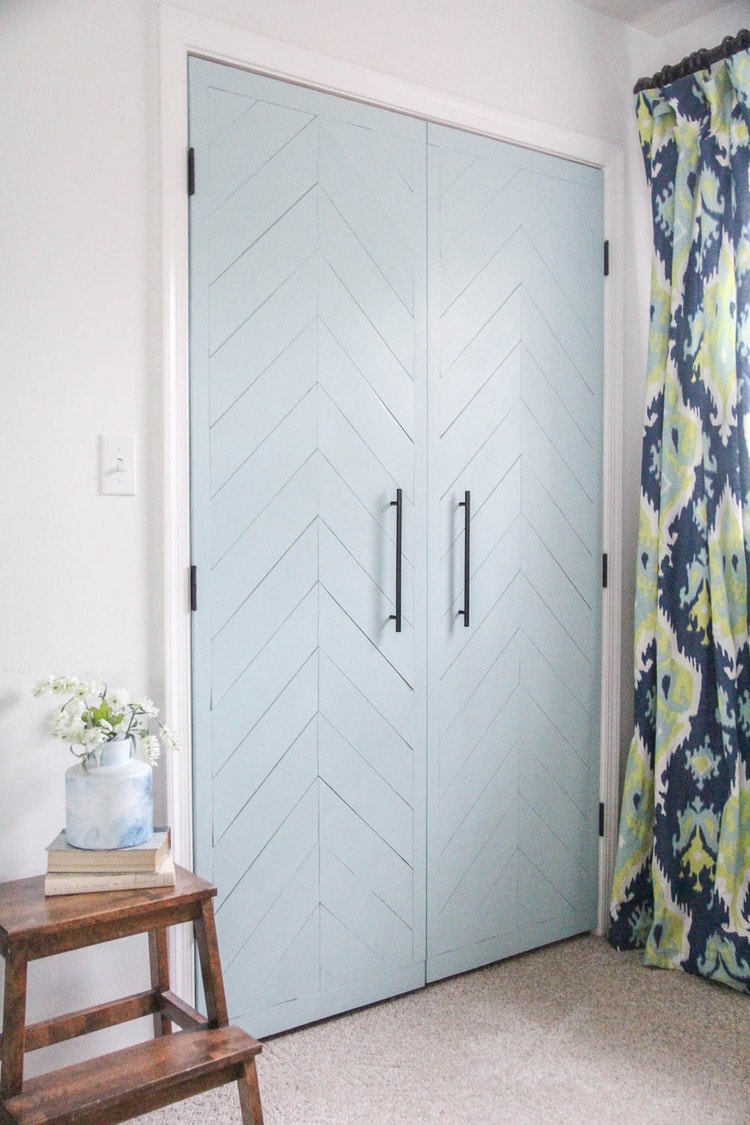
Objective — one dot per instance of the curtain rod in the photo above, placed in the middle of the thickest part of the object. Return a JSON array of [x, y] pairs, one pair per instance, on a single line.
[[699, 60]]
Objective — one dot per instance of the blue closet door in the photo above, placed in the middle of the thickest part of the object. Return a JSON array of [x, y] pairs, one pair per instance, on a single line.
[[307, 355], [515, 384], [378, 808]]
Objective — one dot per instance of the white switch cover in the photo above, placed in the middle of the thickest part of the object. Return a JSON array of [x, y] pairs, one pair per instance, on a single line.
[[117, 465]]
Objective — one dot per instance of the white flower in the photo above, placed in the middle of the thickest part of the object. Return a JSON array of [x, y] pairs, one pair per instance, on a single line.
[[74, 710], [149, 749], [169, 738], [65, 685], [88, 687], [118, 699], [94, 737], [146, 707], [43, 686], [69, 728], [67, 723]]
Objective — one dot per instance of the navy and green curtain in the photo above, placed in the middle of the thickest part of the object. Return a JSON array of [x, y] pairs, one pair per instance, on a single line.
[[682, 880]]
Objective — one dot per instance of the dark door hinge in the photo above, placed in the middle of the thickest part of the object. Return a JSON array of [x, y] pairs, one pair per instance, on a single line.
[[191, 171], [605, 569], [606, 258], [193, 588], [601, 818]]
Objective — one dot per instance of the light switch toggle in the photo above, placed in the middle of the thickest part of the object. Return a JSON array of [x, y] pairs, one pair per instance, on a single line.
[[117, 465]]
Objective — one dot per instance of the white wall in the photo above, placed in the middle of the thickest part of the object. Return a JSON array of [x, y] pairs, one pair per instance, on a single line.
[[81, 574]]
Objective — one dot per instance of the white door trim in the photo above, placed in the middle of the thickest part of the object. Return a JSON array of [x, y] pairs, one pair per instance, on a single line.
[[181, 34]]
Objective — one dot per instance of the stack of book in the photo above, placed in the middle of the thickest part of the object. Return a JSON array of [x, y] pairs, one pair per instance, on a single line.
[[73, 871]]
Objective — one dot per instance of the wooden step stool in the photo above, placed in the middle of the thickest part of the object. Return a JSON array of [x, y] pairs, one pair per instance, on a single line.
[[135, 1080]]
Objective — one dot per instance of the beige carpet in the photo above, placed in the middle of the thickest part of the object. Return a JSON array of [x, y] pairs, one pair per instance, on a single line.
[[572, 1033]]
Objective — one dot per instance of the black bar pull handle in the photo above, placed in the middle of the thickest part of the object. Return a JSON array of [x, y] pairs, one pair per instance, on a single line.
[[398, 505], [466, 505]]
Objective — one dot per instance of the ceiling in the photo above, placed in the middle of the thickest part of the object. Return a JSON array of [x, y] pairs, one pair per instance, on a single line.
[[657, 17]]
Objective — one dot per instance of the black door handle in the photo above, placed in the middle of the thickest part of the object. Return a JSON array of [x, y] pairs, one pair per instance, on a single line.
[[466, 505], [398, 505]]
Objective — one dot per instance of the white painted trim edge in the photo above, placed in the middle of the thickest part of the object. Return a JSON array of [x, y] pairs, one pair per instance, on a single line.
[[182, 33], [174, 310], [611, 531]]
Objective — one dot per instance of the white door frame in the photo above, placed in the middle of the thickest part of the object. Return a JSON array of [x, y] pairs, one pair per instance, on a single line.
[[181, 34]]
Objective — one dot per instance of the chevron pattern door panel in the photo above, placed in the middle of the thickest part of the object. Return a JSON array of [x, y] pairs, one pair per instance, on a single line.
[[515, 270], [377, 807], [308, 309]]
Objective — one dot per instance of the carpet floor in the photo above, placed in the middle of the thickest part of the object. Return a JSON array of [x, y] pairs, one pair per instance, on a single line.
[[572, 1033]]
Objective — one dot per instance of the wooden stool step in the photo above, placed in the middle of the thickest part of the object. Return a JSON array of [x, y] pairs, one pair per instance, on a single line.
[[138, 1079]]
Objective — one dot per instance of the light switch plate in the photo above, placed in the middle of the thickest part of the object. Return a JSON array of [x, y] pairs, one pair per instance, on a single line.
[[117, 465]]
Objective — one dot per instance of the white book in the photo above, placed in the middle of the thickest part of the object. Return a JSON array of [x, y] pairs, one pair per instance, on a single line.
[[86, 882], [63, 857]]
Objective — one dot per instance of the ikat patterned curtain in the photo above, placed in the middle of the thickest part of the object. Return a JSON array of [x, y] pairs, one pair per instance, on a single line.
[[682, 880]]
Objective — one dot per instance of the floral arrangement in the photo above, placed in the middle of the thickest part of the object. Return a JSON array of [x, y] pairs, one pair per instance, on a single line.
[[92, 715]]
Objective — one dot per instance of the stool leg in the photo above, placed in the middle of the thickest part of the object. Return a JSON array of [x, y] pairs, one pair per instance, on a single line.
[[158, 957], [14, 1024], [204, 928], [247, 1088]]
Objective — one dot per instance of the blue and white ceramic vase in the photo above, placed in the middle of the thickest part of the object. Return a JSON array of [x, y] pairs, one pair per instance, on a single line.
[[110, 805]]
